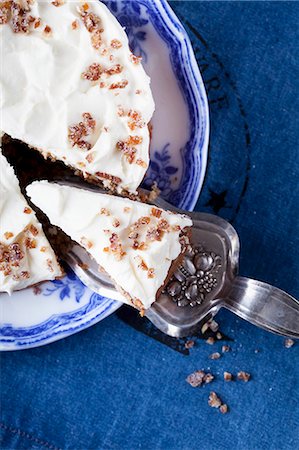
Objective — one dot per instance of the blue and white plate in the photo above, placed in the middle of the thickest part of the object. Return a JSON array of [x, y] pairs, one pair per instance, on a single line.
[[179, 145]]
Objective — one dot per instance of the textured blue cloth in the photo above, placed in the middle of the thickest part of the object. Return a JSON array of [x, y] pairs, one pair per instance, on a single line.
[[116, 387]]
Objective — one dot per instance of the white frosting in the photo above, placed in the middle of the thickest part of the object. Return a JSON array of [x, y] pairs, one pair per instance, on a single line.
[[43, 92], [90, 218], [16, 225]]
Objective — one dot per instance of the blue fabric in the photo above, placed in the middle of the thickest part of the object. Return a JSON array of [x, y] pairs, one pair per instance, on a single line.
[[116, 387]]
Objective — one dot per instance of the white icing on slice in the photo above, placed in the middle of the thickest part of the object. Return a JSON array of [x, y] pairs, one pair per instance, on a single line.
[[53, 75], [134, 242], [26, 256]]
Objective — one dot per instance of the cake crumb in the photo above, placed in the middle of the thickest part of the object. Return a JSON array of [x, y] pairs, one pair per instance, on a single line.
[[27, 210], [227, 376], [214, 401], [223, 408], [288, 343], [199, 377], [244, 376], [189, 344], [225, 348], [218, 335], [215, 355], [210, 340]]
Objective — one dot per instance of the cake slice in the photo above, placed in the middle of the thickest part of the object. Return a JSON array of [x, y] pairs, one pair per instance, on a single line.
[[26, 256], [72, 89], [137, 244]]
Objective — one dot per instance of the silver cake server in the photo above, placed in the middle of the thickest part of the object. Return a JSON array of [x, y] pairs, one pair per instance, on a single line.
[[206, 281]]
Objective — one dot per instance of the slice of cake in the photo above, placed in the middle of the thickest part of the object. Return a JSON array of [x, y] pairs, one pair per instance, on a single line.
[[72, 89], [138, 245], [26, 256]]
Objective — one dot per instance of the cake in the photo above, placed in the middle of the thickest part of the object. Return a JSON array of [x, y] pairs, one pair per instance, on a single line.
[[138, 245], [72, 89], [26, 256]]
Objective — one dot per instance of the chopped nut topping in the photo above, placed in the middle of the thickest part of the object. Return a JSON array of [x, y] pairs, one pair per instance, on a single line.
[[24, 274], [227, 376], [20, 18], [33, 230], [115, 43], [127, 209], [90, 157], [114, 70], [141, 263], [91, 21], [141, 221], [47, 30], [136, 120], [141, 246], [50, 265], [58, 2], [116, 223], [288, 343], [138, 91], [93, 73], [119, 85], [37, 23], [4, 12], [10, 256], [175, 228], [151, 273], [156, 212], [116, 247], [133, 234], [30, 243], [85, 128], [27, 210], [121, 112], [105, 212], [157, 233], [198, 378], [134, 140], [135, 59], [141, 163], [96, 39], [127, 150], [43, 249], [244, 376], [215, 355], [225, 348], [214, 401], [8, 234], [75, 24], [85, 242], [210, 340]]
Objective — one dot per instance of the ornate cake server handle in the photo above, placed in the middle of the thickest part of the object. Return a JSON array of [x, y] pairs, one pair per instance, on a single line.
[[264, 305]]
